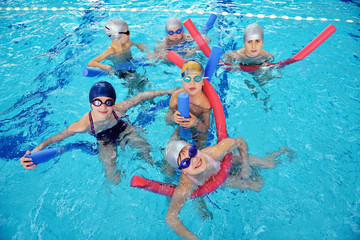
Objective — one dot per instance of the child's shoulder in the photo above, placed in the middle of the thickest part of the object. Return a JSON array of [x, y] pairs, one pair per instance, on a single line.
[[173, 99], [205, 103], [81, 125]]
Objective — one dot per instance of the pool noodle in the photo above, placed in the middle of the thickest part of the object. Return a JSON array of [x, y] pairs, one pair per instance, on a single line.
[[211, 64], [131, 65], [175, 58], [211, 185], [210, 22], [44, 155], [183, 108], [195, 34], [325, 34]]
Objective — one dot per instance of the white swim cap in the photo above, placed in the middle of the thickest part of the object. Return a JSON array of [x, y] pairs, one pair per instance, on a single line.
[[172, 151], [173, 22], [253, 32], [114, 26]]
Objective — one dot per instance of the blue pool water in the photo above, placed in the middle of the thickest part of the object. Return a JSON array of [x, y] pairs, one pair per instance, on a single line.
[[313, 108]]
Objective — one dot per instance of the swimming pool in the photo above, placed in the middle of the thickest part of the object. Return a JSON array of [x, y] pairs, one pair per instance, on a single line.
[[313, 108]]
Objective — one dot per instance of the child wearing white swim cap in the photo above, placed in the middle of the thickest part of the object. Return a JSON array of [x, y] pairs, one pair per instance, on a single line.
[[176, 40], [252, 53], [199, 166], [119, 50]]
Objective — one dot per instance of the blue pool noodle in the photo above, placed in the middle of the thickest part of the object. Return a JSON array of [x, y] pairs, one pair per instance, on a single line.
[[44, 155], [183, 108], [212, 62], [93, 72], [131, 65], [209, 23]]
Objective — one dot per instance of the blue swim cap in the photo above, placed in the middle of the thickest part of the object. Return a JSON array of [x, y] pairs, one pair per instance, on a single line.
[[102, 89]]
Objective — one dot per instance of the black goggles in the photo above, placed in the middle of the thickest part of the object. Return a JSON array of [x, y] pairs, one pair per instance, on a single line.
[[98, 102]]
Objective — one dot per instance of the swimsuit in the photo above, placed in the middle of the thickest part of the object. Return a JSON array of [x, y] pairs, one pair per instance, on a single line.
[[124, 73], [214, 163], [109, 135]]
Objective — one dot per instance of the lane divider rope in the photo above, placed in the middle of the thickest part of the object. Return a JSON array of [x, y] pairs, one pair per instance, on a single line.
[[298, 18]]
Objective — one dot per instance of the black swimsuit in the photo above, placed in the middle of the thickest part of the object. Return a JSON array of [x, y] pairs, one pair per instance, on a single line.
[[109, 135]]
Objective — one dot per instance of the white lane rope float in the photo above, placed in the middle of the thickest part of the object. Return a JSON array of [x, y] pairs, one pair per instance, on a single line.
[[298, 18]]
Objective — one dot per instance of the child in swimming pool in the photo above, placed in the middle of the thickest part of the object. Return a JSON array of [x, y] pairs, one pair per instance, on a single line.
[[176, 40], [119, 53], [192, 74], [197, 166], [106, 121], [252, 54]]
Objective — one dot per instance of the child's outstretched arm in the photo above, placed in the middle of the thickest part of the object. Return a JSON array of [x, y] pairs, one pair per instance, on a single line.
[[228, 145], [181, 195], [96, 61], [79, 126], [132, 102], [142, 47]]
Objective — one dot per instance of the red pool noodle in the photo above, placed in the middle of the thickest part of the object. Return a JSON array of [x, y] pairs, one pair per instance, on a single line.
[[325, 34], [195, 34], [213, 183], [175, 58]]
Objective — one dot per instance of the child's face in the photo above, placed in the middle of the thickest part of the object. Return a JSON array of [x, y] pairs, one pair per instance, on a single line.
[[125, 38], [197, 163], [192, 87], [103, 111], [175, 36], [253, 47]]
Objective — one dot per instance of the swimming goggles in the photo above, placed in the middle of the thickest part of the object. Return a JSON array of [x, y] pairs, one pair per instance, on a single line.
[[185, 163], [98, 102], [172, 32], [127, 33], [196, 78]]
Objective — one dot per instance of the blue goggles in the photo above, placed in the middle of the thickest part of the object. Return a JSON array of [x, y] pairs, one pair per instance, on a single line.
[[196, 79], [177, 31], [185, 163]]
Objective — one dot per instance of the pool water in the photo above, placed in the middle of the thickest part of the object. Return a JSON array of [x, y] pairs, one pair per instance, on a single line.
[[312, 106]]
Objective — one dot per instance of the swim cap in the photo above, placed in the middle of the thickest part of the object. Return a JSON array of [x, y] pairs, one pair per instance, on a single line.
[[253, 32], [172, 151], [102, 89], [114, 26], [173, 22], [192, 66]]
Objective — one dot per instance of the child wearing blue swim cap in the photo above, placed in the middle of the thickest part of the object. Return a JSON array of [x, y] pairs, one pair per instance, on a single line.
[[252, 53], [176, 40], [107, 123]]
